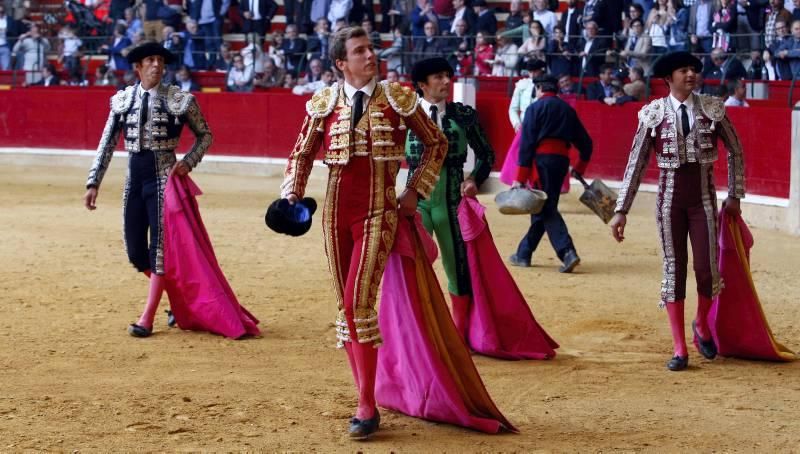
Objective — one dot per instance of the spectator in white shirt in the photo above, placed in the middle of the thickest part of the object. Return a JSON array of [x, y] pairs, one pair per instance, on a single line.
[[325, 81], [736, 94], [546, 17], [240, 77]]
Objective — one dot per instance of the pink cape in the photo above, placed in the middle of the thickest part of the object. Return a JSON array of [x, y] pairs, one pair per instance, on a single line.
[[501, 323], [199, 294], [737, 319], [424, 368], [508, 173]]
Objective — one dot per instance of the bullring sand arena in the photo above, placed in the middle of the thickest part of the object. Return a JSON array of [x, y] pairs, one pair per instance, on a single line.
[[72, 379]]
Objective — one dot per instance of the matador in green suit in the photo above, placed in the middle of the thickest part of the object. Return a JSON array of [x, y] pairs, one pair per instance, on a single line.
[[459, 123]]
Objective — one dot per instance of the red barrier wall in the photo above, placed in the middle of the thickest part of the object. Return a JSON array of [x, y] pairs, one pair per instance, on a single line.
[[267, 123]]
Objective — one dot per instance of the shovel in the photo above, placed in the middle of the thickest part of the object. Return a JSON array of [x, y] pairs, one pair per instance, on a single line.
[[598, 197]]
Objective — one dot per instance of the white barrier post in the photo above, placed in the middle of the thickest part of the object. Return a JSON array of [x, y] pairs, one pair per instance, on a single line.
[[464, 92], [793, 215]]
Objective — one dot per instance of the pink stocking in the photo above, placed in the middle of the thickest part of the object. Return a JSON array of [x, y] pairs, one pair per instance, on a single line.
[[676, 324], [348, 347], [153, 299], [461, 305], [366, 359], [703, 307]]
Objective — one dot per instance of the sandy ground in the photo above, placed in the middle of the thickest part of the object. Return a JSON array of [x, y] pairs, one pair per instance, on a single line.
[[72, 379]]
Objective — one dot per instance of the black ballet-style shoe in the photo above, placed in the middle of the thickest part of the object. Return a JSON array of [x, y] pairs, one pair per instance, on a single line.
[[678, 363], [707, 348], [170, 319], [363, 429], [139, 331]]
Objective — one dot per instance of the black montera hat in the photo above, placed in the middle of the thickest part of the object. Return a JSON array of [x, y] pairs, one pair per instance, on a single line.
[[424, 68], [667, 63], [147, 49], [294, 220]]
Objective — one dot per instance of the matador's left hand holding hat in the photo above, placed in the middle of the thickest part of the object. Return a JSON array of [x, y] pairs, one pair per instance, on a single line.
[[293, 220], [147, 49]]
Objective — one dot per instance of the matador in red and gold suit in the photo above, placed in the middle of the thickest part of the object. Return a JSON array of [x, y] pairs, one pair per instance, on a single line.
[[360, 214]]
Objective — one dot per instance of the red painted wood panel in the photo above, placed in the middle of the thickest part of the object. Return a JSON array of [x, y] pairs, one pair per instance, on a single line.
[[267, 123]]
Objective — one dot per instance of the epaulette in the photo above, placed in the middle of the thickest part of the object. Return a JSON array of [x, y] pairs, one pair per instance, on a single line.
[[322, 103], [652, 113], [712, 107], [464, 115], [178, 101], [122, 101], [402, 99]]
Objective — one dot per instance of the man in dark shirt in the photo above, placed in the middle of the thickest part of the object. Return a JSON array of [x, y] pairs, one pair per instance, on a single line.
[[549, 128]]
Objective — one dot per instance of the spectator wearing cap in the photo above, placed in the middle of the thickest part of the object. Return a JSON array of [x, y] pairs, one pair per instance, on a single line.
[[601, 88], [486, 21]]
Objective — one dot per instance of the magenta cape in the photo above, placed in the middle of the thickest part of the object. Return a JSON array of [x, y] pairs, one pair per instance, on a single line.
[[501, 323], [199, 294], [424, 368], [737, 320]]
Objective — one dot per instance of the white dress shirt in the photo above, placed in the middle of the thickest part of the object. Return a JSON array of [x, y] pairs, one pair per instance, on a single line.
[[350, 91], [440, 106], [676, 106]]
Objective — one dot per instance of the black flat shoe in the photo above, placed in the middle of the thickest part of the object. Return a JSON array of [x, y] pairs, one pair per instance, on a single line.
[[366, 428], [678, 363], [139, 331], [170, 319], [571, 260], [516, 261], [707, 348]]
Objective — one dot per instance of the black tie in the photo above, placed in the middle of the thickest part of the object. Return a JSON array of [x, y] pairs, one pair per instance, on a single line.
[[145, 107], [684, 120], [435, 115], [358, 107]]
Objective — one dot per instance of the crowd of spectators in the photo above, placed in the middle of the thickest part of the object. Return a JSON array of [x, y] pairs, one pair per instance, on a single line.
[[615, 41]]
